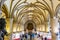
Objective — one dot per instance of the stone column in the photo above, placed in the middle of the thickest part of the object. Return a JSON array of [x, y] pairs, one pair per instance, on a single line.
[[11, 27], [52, 22], [59, 22], [59, 30], [46, 26]]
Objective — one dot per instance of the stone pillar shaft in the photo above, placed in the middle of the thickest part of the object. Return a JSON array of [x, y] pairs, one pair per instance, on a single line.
[[11, 27], [52, 20], [46, 26], [59, 31]]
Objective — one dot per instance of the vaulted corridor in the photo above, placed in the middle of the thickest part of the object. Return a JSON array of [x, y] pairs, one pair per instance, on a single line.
[[31, 19]]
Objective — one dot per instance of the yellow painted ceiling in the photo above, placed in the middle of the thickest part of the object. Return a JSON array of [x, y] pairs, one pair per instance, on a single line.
[[34, 10]]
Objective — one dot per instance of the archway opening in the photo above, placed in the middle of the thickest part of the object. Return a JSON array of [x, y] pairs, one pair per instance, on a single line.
[[30, 26]]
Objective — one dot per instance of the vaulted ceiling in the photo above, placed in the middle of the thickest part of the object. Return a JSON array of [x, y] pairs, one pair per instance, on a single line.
[[38, 11]]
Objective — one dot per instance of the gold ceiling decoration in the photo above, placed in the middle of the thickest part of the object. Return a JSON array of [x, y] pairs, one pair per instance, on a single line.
[[25, 5], [41, 11]]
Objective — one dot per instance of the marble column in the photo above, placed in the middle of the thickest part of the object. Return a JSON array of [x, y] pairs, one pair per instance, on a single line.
[[52, 22]]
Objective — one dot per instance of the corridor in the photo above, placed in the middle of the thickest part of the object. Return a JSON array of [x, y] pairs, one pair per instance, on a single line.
[[30, 19]]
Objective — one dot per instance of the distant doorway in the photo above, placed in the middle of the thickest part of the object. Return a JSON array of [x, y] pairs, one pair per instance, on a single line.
[[30, 25]]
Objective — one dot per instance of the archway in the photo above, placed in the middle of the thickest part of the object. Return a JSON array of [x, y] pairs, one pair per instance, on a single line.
[[30, 25]]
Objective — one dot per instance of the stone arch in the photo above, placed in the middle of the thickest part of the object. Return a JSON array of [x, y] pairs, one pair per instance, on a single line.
[[5, 10], [57, 10], [1, 5], [30, 21], [32, 12]]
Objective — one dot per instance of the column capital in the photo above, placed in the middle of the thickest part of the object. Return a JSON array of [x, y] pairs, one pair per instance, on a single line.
[[53, 17]]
